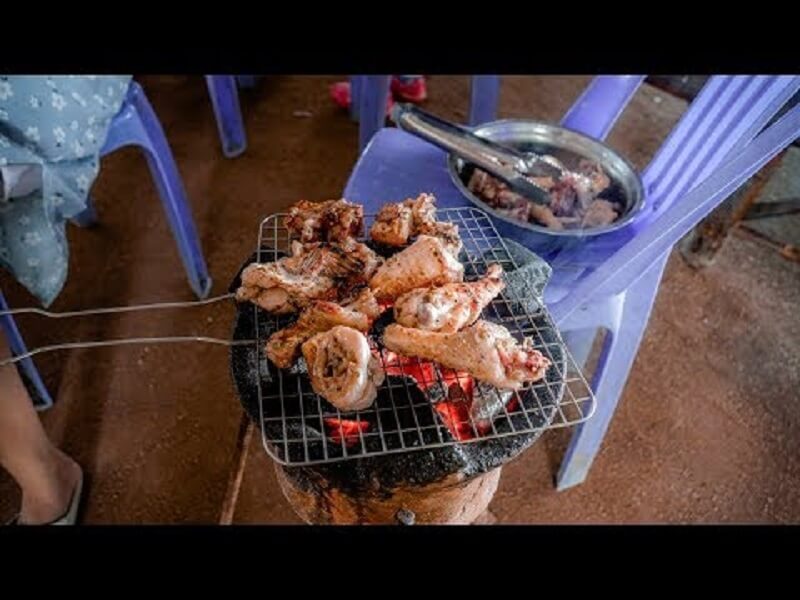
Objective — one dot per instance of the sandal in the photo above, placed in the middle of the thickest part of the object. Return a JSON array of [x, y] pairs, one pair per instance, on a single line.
[[340, 93], [70, 516]]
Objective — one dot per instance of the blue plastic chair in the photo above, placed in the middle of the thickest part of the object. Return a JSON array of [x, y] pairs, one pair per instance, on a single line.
[[611, 281], [224, 93], [369, 94], [136, 124]]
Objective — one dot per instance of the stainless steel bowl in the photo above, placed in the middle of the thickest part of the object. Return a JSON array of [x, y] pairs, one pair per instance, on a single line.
[[569, 147]]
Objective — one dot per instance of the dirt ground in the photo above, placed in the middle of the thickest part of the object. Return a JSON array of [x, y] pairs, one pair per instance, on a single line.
[[707, 431]]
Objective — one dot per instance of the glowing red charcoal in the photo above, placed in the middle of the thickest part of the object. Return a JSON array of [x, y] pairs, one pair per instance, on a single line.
[[454, 412], [347, 429], [454, 409], [422, 371], [463, 379]]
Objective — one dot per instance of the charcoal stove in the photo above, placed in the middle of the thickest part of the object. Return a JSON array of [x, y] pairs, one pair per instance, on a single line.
[[421, 453]]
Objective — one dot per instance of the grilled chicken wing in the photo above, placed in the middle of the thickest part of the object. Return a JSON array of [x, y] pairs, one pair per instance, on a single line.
[[450, 307], [396, 223], [330, 221], [314, 272], [424, 263], [342, 368], [393, 225], [283, 347], [485, 350]]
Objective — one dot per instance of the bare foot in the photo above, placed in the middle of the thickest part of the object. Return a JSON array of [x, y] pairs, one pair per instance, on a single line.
[[50, 501]]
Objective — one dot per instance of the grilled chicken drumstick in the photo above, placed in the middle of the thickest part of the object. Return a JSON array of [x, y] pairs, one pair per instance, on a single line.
[[424, 263], [485, 350], [450, 307]]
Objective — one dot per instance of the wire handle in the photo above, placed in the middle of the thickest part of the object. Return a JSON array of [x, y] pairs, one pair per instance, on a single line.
[[121, 341]]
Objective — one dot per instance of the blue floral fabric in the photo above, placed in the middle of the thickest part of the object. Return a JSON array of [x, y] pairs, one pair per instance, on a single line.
[[60, 123]]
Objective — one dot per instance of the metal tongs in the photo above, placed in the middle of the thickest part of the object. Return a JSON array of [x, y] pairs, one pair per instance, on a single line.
[[506, 164]]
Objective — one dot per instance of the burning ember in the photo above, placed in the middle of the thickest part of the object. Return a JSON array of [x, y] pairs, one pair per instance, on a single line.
[[455, 412], [460, 407], [345, 429]]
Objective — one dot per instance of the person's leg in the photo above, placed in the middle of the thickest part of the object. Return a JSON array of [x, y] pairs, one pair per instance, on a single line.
[[48, 477]]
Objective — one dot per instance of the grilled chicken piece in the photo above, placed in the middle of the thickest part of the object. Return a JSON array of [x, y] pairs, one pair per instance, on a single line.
[[426, 262], [485, 350], [450, 307], [573, 199], [342, 368], [329, 221], [314, 272], [599, 213], [447, 232], [598, 180], [393, 225], [544, 216], [283, 347], [396, 223], [423, 209]]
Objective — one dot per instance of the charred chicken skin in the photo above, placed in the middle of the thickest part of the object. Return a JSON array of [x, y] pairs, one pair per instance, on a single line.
[[314, 272], [396, 223], [330, 221]]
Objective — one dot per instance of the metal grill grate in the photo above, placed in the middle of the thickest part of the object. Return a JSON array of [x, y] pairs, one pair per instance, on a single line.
[[301, 428]]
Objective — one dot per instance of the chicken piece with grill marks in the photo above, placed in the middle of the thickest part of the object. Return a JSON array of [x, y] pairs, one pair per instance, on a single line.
[[485, 350], [447, 232], [283, 347], [427, 262], [314, 272], [450, 307], [342, 368], [396, 223], [329, 221]]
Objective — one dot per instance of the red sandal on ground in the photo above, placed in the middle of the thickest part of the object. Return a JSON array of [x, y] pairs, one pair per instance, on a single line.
[[340, 93]]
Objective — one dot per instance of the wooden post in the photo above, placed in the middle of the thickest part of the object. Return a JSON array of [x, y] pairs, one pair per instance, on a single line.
[[239, 462], [700, 246]]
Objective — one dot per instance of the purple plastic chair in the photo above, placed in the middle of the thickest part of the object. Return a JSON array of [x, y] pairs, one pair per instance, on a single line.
[[224, 93], [134, 125], [611, 281], [369, 95]]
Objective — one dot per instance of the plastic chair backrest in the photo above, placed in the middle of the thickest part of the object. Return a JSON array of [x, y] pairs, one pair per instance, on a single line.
[[709, 154]]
